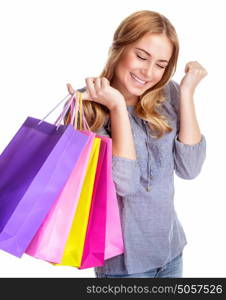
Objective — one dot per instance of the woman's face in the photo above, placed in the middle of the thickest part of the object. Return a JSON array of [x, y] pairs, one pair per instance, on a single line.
[[141, 66]]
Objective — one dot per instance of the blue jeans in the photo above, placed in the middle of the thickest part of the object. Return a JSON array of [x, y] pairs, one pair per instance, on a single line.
[[174, 268]]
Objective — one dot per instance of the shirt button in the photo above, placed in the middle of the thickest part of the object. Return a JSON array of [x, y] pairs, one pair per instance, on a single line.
[[148, 188]]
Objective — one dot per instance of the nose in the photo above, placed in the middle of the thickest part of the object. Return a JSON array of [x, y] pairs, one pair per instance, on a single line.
[[148, 71]]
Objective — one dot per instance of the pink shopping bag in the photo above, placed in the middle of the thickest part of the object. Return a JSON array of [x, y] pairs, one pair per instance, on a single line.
[[114, 239]]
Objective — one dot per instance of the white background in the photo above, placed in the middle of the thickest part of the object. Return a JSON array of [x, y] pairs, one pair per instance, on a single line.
[[45, 44]]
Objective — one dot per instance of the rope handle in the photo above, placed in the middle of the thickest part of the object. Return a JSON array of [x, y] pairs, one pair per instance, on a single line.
[[74, 100]]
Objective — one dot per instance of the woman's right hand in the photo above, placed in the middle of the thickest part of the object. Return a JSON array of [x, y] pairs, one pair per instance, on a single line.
[[98, 89]]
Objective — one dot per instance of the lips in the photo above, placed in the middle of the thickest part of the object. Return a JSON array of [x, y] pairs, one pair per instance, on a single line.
[[137, 79]]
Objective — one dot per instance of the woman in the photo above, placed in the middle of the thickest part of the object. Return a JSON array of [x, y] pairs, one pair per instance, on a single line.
[[151, 120]]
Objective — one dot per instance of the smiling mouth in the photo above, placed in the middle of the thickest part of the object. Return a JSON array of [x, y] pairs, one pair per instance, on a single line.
[[138, 80]]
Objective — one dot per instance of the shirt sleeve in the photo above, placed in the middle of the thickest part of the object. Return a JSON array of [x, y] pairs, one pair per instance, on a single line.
[[188, 159], [125, 172], [126, 175]]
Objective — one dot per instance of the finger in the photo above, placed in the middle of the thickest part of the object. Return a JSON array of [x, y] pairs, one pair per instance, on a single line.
[[90, 87], [188, 66], [70, 89], [105, 82], [97, 84]]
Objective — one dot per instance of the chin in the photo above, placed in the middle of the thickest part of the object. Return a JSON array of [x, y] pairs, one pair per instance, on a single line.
[[137, 91]]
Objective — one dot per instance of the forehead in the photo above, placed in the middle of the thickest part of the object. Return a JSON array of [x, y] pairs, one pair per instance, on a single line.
[[158, 45]]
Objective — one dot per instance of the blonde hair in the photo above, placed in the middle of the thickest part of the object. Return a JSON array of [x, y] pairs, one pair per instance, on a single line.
[[131, 29]]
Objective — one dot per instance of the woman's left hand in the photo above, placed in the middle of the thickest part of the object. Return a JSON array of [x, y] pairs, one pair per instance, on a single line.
[[194, 74]]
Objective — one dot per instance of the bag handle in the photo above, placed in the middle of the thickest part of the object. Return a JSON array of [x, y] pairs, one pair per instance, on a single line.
[[43, 119], [77, 107], [70, 98]]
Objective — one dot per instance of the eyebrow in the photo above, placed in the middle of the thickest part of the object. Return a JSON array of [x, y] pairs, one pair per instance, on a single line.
[[163, 60]]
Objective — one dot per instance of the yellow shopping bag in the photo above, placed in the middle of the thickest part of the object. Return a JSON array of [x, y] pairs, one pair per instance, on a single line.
[[75, 243]]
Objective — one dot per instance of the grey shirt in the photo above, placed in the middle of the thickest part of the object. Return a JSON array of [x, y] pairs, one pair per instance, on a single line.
[[152, 233]]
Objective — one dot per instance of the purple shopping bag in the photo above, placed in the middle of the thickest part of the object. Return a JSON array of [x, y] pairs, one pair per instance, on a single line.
[[49, 241], [33, 170]]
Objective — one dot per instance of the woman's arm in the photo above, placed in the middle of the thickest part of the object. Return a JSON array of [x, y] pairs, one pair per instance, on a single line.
[[121, 133], [125, 168], [189, 128], [189, 151], [100, 91]]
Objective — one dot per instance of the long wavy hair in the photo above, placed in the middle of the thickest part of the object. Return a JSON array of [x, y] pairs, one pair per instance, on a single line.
[[131, 29]]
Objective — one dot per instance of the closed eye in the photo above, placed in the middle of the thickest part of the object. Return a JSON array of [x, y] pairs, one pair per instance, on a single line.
[[141, 57], [146, 59]]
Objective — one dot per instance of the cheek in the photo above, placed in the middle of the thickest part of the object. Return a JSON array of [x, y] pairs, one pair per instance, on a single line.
[[157, 76], [128, 63]]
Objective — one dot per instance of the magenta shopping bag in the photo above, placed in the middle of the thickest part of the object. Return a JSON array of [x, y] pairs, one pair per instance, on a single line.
[[114, 239], [49, 242], [104, 233], [34, 168], [93, 252]]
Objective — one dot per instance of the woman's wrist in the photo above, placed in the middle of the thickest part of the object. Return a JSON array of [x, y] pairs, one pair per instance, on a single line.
[[119, 105]]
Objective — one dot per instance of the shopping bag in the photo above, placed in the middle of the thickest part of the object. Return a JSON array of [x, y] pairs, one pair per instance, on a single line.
[[33, 170], [48, 243], [102, 241], [93, 252], [114, 239], [104, 235], [74, 246]]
